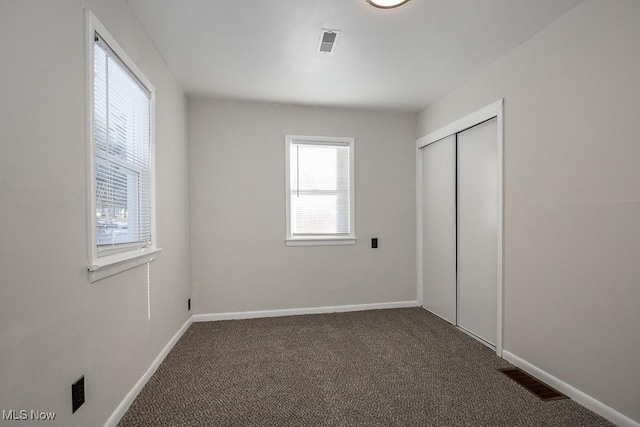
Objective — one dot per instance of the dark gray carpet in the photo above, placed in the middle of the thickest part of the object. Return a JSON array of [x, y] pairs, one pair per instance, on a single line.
[[402, 367]]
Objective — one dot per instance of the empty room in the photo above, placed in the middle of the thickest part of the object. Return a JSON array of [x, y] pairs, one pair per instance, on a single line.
[[320, 212]]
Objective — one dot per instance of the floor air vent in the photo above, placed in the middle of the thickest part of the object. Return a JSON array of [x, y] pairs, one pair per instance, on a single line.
[[540, 389]]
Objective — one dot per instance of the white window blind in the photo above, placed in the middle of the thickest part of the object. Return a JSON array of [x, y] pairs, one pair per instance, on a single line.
[[320, 188], [122, 144]]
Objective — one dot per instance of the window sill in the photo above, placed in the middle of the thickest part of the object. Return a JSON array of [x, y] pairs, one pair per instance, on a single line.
[[320, 241], [114, 264]]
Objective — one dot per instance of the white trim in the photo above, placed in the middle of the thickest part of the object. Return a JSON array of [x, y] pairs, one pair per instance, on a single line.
[[114, 264], [90, 22], [338, 140], [152, 167], [500, 229], [291, 240], [419, 248], [579, 396], [321, 241], [483, 114], [121, 409], [490, 111], [101, 267], [300, 311]]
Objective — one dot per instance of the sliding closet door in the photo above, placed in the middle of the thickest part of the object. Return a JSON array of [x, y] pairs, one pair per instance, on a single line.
[[438, 229], [477, 230]]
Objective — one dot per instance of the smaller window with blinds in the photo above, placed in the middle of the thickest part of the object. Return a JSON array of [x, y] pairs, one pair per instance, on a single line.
[[319, 190], [121, 148]]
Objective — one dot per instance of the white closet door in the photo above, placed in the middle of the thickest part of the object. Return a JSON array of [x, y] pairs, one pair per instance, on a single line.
[[477, 230], [438, 229]]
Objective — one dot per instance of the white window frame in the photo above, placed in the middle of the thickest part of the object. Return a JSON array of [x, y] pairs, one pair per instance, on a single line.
[[104, 266], [349, 239]]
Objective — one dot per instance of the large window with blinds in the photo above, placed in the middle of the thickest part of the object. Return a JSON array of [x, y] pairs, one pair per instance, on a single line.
[[320, 190], [121, 146]]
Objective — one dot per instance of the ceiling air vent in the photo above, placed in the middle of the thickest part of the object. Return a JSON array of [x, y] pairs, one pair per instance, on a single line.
[[328, 40]]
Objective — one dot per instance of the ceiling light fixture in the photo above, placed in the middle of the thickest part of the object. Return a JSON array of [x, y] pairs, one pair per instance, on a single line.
[[386, 4]]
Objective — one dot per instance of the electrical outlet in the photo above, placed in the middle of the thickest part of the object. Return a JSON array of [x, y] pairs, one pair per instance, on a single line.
[[77, 394], [189, 304], [374, 243]]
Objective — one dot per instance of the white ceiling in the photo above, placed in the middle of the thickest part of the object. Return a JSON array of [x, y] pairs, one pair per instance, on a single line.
[[401, 59]]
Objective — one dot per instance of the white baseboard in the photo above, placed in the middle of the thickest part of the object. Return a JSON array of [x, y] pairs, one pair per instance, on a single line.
[[130, 397], [298, 311], [582, 398]]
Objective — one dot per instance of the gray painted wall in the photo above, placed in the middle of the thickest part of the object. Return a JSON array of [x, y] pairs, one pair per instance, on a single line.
[[572, 196], [54, 325], [239, 258]]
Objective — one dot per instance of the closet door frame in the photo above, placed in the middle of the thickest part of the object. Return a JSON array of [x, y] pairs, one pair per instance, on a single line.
[[494, 110]]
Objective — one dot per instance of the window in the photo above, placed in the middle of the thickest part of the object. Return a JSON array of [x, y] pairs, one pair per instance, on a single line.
[[121, 148], [319, 190]]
